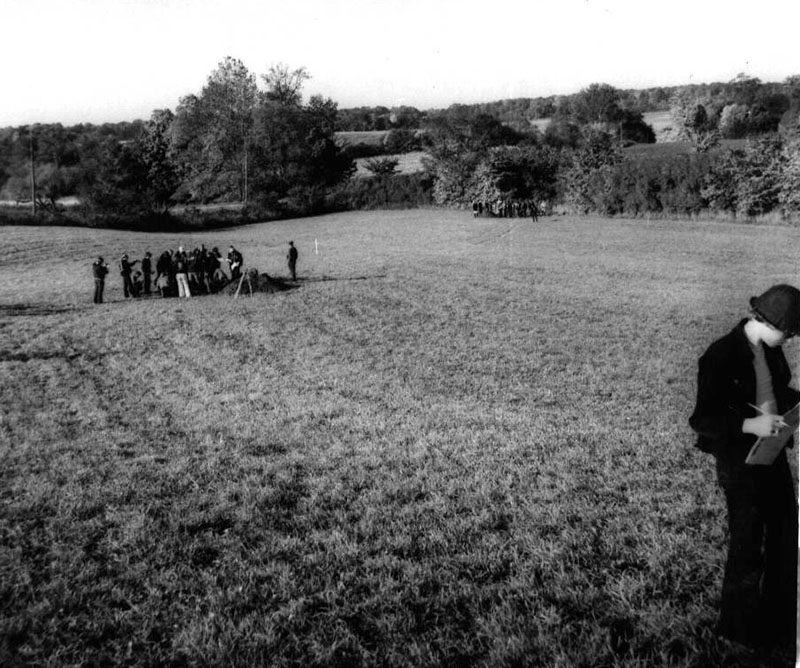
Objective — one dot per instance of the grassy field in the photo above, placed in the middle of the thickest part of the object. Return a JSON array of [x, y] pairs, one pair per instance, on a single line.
[[458, 442], [371, 137]]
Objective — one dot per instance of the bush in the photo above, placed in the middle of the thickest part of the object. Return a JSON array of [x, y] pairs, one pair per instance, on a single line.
[[379, 192]]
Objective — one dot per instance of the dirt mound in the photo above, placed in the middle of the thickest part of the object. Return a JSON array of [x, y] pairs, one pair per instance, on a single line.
[[258, 283]]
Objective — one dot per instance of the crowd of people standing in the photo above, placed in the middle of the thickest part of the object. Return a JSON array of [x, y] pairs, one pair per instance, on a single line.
[[178, 273], [509, 208]]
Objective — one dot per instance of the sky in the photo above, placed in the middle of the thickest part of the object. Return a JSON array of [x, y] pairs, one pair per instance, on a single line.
[[97, 61]]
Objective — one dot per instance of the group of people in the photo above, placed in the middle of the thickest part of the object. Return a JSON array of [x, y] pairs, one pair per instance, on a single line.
[[178, 273], [509, 208]]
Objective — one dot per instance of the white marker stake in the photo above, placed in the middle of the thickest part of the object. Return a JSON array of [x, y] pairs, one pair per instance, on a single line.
[[316, 250]]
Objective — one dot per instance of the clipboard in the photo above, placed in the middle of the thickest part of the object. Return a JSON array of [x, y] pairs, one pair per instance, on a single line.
[[767, 448]]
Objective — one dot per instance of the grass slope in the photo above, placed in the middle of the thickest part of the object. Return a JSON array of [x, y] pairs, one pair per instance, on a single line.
[[461, 442]]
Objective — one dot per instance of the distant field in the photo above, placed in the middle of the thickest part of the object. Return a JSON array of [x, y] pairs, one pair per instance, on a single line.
[[458, 442], [408, 163], [662, 124], [369, 137], [660, 121]]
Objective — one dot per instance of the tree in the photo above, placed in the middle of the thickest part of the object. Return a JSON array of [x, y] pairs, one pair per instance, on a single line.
[[789, 196], [456, 143], [212, 133], [749, 181], [517, 173], [693, 123], [734, 121], [382, 166], [588, 178], [598, 104], [284, 86], [156, 156], [295, 156]]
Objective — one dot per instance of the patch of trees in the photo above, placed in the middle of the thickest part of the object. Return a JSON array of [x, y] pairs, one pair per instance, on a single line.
[[381, 191], [585, 167], [361, 119], [234, 141]]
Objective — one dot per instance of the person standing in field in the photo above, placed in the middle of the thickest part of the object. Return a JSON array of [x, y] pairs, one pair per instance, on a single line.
[[164, 272], [99, 271], [125, 269], [291, 258], [147, 268], [742, 393], [181, 273], [235, 261]]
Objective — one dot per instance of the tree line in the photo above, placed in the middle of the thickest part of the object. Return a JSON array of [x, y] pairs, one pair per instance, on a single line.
[[234, 141], [590, 167], [254, 141], [764, 102]]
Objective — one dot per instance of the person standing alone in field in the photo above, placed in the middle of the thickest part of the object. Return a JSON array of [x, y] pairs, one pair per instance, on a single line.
[[99, 270], [742, 393], [291, 257]]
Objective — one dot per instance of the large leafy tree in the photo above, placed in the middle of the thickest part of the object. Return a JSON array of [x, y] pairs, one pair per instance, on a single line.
[[694, 123], [589, 176], [457, 142], [212, 133], [517, 173], [752, 180], [155, 153], [294, 153]]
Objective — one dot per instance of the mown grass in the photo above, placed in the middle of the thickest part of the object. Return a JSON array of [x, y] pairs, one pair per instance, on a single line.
[[461, 442]]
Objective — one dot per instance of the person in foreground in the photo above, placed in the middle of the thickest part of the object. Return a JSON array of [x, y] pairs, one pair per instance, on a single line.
[[742, 393]]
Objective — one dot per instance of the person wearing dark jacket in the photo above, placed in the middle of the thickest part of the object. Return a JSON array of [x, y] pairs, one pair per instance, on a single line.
[[125, 270], [291, 258], [742, 393], [99, 271], [147, 269], [235, 261]]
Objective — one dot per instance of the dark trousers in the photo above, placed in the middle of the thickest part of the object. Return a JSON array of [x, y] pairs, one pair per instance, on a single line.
[[99, 284], [293, 269], [147, 284], [127, 285], [759, 589]]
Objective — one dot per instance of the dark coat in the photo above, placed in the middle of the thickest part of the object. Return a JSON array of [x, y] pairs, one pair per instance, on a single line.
[[99, 270], [726, 385]]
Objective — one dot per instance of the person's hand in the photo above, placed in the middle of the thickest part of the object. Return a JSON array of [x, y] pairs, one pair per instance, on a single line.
[[763, 425]]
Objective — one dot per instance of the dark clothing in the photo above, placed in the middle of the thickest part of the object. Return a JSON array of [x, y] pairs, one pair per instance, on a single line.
[[292, 258], [146, 270], [165, 275], [235, 261], [99, 272], [759, 588], [125, 269], [726, 384]]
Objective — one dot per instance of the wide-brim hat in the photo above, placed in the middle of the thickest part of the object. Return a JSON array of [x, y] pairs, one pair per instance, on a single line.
[[780, 307]]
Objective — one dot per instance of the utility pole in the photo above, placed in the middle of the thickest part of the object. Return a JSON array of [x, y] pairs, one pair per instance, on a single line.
[[245, 172], [33, 179]]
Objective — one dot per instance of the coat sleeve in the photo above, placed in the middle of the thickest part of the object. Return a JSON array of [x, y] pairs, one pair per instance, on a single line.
[[717, 418]]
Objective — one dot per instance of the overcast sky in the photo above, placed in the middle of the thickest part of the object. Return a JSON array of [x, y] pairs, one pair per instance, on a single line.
[[95, 61]]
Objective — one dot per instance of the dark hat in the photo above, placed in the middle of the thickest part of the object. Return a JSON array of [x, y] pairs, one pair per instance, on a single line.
[[780, 307]]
